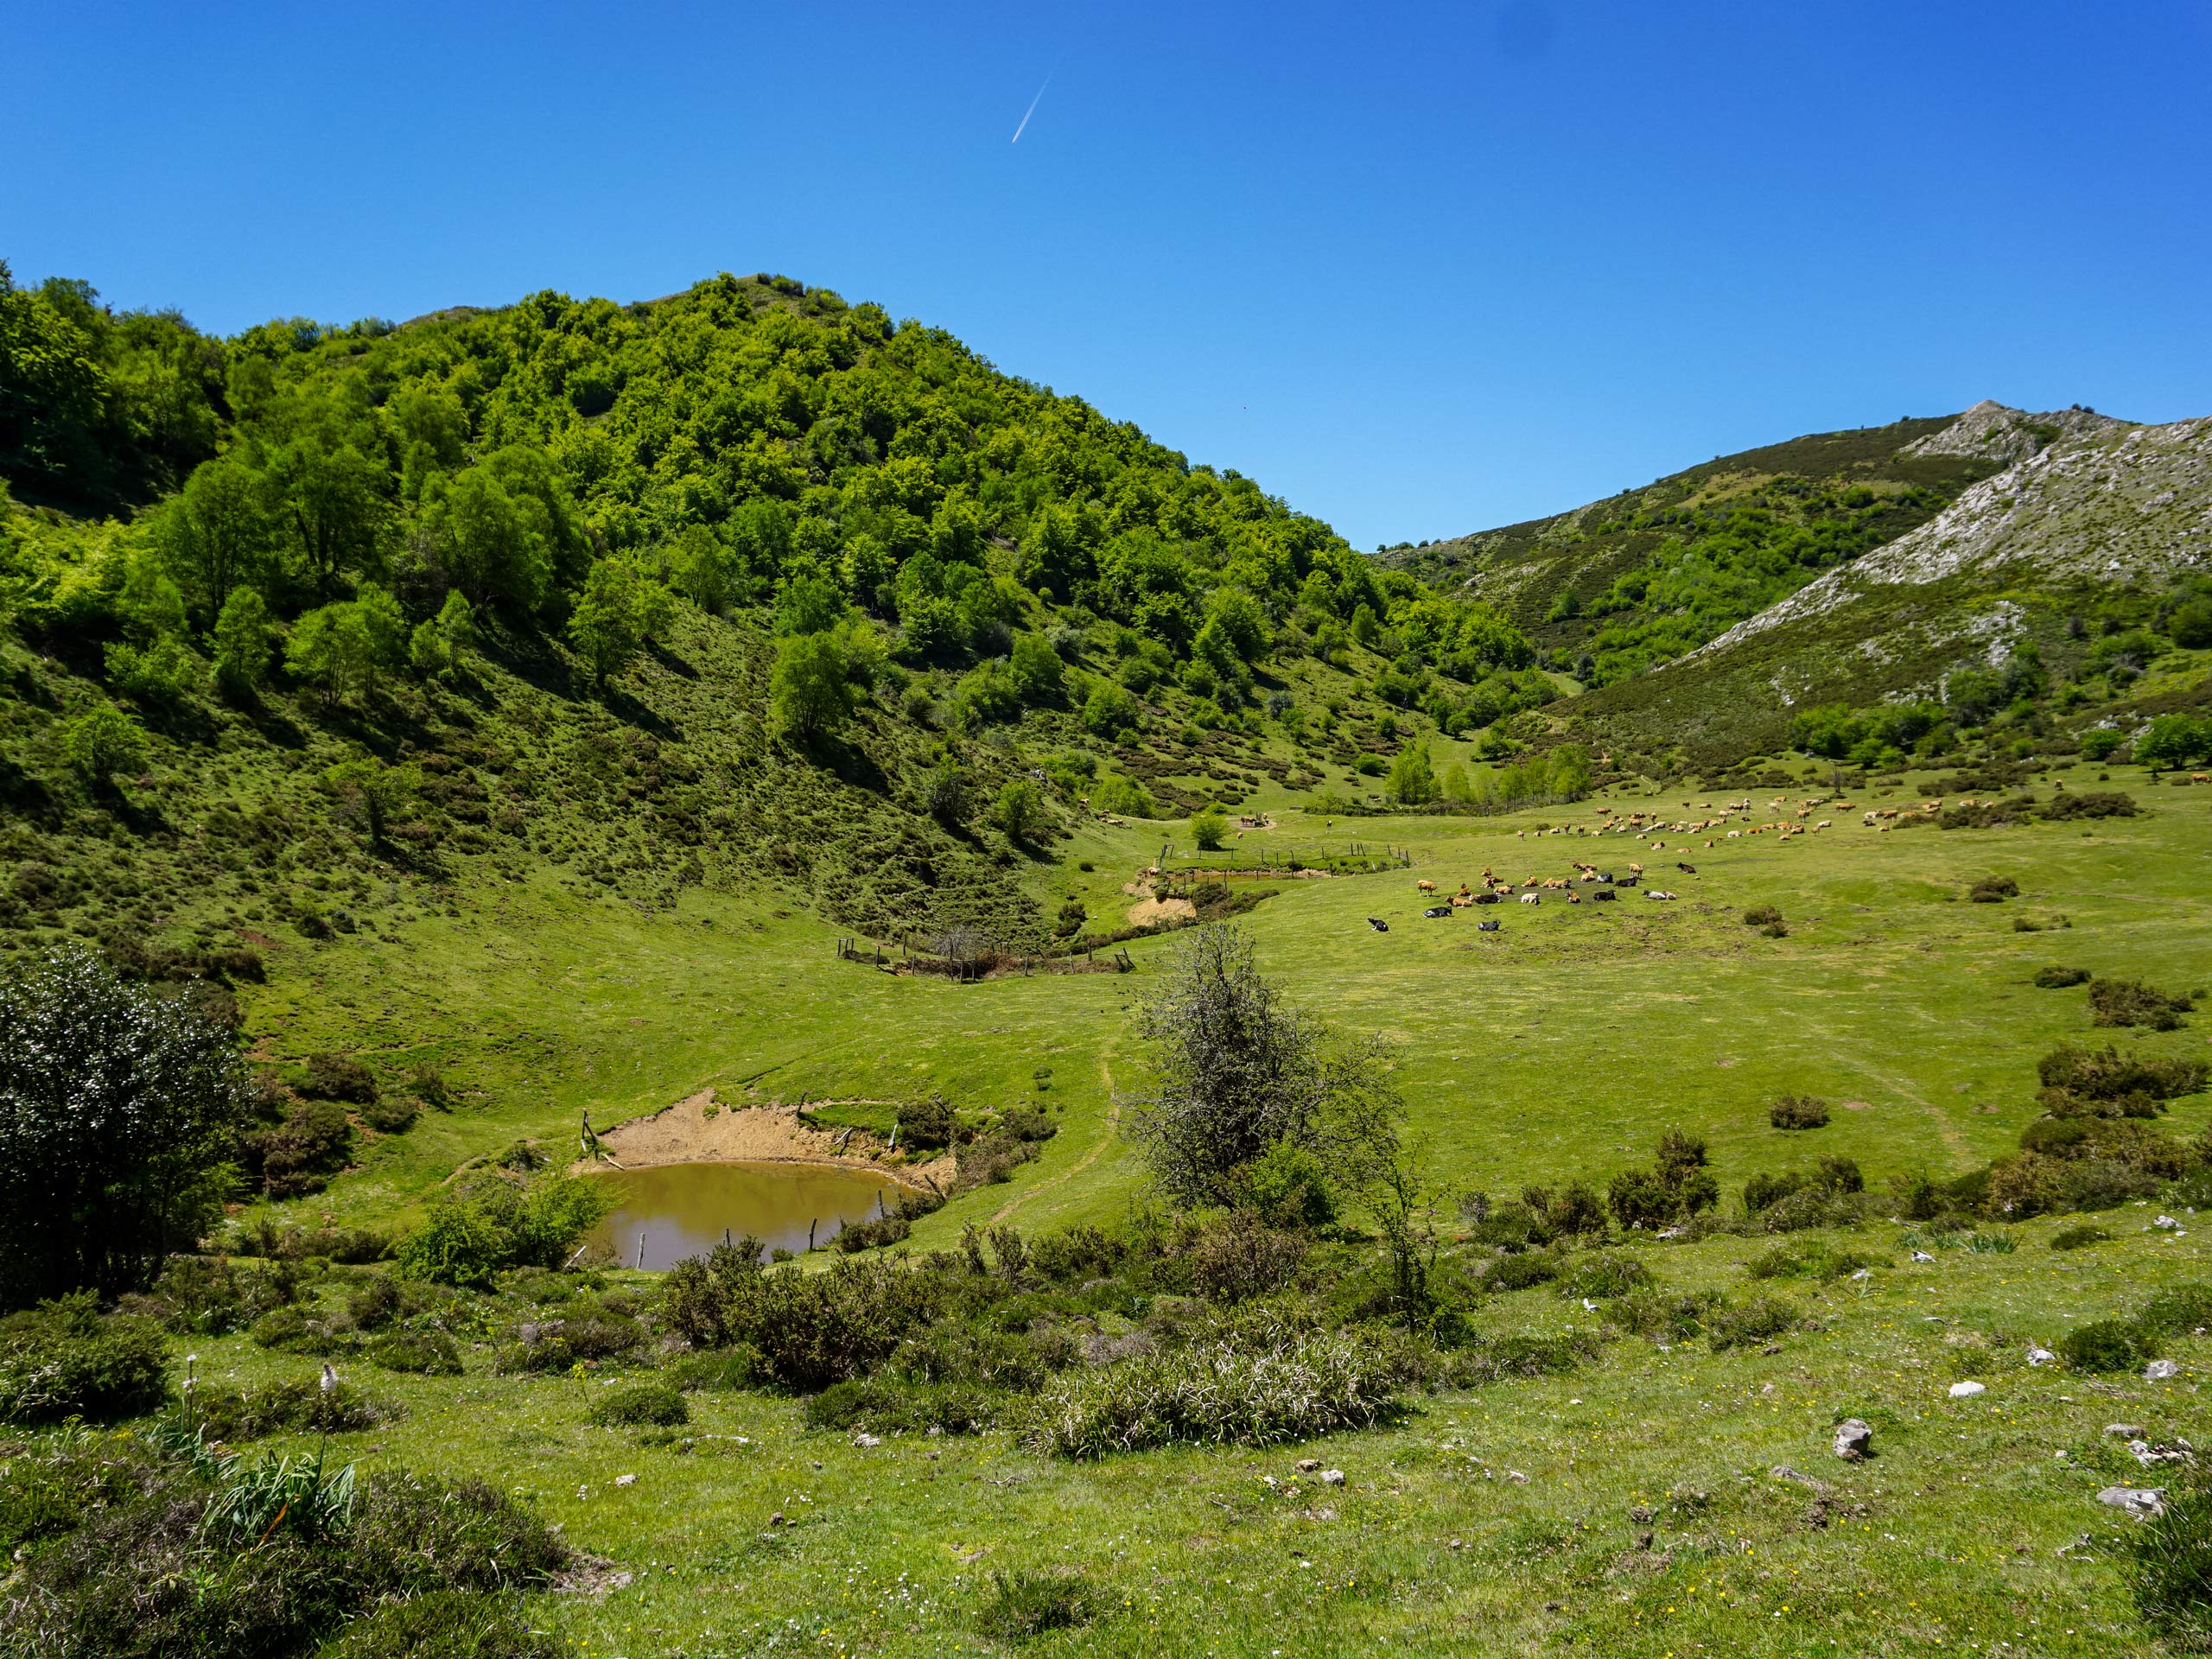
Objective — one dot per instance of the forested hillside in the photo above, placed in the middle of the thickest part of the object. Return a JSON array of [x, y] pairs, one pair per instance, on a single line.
[[747, 583]]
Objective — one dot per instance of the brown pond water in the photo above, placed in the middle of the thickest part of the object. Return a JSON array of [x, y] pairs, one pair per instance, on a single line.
[[684, 1210]]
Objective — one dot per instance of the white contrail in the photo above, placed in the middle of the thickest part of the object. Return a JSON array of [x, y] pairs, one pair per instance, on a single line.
[[1031, 111]]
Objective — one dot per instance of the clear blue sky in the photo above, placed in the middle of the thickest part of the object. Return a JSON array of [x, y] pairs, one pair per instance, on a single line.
[[1417, 268]]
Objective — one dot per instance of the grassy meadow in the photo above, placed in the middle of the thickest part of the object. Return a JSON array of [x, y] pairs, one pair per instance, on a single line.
[[1632, 1507]]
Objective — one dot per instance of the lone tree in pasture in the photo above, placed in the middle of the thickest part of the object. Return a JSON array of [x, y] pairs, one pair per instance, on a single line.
[[119, 1109]]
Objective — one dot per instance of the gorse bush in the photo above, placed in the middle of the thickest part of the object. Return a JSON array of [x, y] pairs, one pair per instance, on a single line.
[[2076, 1238], [1519, 1272], [2131, 1002], [300, 1406], [811, 1330], [498, 1223], [640, 1405], [1219, 1393], [446, 1625], [1677, 1186], [1604, 1275], [1798, 1112], [2100, 1345], [891, 1405], [2059, 978], [64, 1360], [1741, 1324]]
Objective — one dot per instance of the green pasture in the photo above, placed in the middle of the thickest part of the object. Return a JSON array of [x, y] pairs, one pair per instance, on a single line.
[[1641, 1506], [1564, 1044]]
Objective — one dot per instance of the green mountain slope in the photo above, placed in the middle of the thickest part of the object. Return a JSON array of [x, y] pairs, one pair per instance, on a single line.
[[745, 586], [1619, 586]]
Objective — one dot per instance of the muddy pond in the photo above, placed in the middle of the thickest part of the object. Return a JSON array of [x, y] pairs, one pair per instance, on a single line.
[[683, 1210]]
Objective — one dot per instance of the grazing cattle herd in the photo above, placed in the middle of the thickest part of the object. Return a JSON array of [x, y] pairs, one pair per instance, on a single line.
[[1790, 820]]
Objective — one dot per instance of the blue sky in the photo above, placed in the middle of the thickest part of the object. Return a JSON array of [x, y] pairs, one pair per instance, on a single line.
[[1419, 270]]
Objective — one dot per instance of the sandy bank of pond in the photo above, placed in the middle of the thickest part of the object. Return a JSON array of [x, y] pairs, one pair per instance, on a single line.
[[700, 1130]]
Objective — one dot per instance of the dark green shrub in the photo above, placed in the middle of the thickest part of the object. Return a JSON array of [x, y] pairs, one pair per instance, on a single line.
[[122, 1106], [423, 1353], [1079, 1252], [391, 1114], [1663, 1316], [2058, 979], [1993, 889], [1242, 1257], [62, 1359], [1798, 1112], [1762, 916], [301, 1406], [1024, 1605], [1493, 1359], [1741, 1324], [2101, 1346], [1816, 1259], [585, 1331], [810, 1329], [2090, 804], [333, 1077], [720, 1369], [928, 1124], [2176, 1309], [379, 1301], [445, 1625], [2034, 1184], [641, 1405], [1603, 1275], [886, 1405], [1024, 1124], [299, 1153], [2167, 1561], [2131, 1002], [500, 1223], [294, 1330], [205, 1296], [2076, 1238], [1522, 1272], [873, 1234], [2107, 1074]]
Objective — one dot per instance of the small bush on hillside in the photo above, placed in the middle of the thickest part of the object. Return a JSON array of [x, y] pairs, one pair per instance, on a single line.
[[62, 1359], [1244, 1257], [301, 1405], [423, 1353], [1741, 1324], [873, 1234], [1798, 1112], [2107, 1074], [1483, 1360], [1219, 1393], [1522, 1272], [391, 1114], [891, 1405], [1603, 1275], [298, 1151], [2059, 978], [1080, 1252], [1288, 1184], [2167, 1561], [2077, 1238], [1762, 916], [2090, 804], [1664, 1316], [2131, 1002], [207, 1296], [1993, 889], [496, 1224], [2176, 1309], [928, 1124], [2033, 1184], [2102, 1345], [1024, 1605], [641, 1405], [1818, 1260], [810, 1329], [586, 1332], [718, 1370], [446, 1625], [333, 1077], [1676, 1185]]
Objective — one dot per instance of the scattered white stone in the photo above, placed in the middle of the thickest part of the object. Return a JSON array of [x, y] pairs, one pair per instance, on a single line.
[[625, 1480], [2159, 1370], [1309, 1465], [1333, 1477], [1966, 1391], [2136, 1500], [1921, 1256], [2151, 1456], [2166, 1221], [1863, 1273], [2040, 1355], [1517, 1477], [866, 1439], [1854, 1438]]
